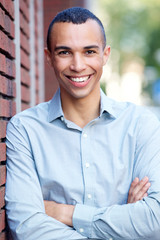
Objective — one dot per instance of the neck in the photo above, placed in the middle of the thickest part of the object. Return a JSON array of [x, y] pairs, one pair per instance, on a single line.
[[81, 110]]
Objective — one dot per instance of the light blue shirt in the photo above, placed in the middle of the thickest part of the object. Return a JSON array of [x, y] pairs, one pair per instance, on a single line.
[[51, 158]]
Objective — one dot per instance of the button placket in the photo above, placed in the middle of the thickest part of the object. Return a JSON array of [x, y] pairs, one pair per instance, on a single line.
[[86, 164]]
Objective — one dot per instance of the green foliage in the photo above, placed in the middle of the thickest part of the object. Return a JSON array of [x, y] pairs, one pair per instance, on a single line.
[[133, 28]]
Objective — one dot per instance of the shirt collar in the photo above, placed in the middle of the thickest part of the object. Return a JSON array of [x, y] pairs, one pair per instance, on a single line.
[[109, 106], [55, 107]]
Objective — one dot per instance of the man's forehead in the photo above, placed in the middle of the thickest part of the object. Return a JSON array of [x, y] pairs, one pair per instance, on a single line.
[[65, 30], [84, 34], [88, 24]]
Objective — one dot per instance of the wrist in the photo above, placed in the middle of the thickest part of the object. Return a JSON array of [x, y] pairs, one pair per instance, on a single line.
[[67, 214]]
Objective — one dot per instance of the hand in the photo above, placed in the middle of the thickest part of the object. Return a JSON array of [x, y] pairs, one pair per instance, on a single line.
[[138, 189], [61, 212]]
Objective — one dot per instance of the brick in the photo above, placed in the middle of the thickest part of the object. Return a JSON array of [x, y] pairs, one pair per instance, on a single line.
[[2, 194], [24, 42], [3, 126], [37, 84], [13, 89], [12, 108], [4, 108], [24, 9], [2, 63], [10, 68], [2, 151], [24, 25], [36, 5], [8, 6], [2, 220], [27, 2], [7, 45], [2, 175], [25, 76], [37, 97], [7, 87], [37, 70], [9, 26], [25, 106], [7, 108], [3, 85], [2, 16], [25, 93], [25, 60]]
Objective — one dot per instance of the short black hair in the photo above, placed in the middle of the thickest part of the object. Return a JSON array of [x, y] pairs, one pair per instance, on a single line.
[[76, 15]]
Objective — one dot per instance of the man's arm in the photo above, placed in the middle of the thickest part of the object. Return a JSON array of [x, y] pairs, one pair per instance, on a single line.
[[64, 212], [24, 201]]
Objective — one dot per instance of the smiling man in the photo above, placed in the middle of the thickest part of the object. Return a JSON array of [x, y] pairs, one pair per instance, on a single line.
[[82, 165], [77, 56]]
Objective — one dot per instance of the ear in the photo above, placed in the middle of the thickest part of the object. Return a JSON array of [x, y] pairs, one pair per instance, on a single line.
[[48, 56], [106, 54]]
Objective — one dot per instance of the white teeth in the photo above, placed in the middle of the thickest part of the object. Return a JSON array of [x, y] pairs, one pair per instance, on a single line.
[[80, 79]]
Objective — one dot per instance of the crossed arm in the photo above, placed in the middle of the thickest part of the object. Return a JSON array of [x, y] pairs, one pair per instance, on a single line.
[[64, 213]]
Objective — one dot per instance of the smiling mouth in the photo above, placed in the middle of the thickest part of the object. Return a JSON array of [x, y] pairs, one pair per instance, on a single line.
[[79, 79]]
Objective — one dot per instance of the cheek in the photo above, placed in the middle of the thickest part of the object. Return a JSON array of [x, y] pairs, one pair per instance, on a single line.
[[97, 65], [58, 66], [96, 62]]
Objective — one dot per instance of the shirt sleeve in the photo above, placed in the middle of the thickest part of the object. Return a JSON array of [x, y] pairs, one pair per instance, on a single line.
[[140, 220], [24, 201]]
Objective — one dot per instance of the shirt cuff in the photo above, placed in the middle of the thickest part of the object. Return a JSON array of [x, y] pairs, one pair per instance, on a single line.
[[83, 219]]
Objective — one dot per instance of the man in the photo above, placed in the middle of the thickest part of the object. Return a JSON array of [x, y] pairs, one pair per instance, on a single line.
[[77, 165]]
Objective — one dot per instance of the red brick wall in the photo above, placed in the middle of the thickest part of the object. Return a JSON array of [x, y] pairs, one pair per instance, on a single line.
[[7, 92], [51, 8], [25, 54], [8, 78]]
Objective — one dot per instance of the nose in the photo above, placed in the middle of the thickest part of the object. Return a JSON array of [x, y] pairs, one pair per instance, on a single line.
[[78, 63]]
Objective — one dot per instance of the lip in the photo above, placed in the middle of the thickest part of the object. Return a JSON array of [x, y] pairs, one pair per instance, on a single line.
[[82, 83]]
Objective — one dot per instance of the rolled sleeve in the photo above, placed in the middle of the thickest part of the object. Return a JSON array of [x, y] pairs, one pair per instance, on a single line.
[[83, 219]]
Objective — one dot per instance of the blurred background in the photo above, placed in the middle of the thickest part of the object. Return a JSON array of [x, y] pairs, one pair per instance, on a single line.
[[133, 32]]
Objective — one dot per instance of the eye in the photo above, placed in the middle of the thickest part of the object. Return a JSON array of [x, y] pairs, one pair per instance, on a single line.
[[63, 52], [89, 52]]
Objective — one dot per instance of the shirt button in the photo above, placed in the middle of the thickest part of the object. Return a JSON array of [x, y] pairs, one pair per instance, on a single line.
[[110, 238], [89, 196], [81, 230], [85, 135], [87, 165], [62, 118]]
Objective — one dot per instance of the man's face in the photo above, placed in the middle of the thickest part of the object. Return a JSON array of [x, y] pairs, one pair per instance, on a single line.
[[77, 56]]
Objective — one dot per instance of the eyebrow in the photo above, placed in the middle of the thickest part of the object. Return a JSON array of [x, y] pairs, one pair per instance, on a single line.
[[68, 48], [91, 46], [62, 47]]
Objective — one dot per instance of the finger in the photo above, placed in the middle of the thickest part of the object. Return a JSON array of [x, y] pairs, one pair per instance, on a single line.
[[135, 181], [145, 195], [131, 190], [133, 184], [140, 186], [138, 189], [142, 191]]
